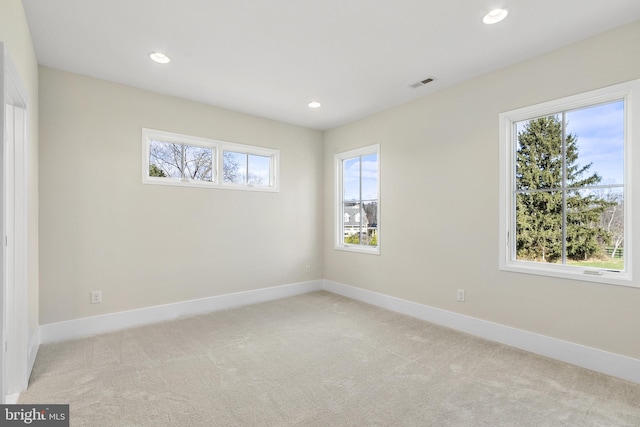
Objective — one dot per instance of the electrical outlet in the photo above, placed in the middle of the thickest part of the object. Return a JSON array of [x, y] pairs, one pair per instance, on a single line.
[[307, 269], [96, 297], [460, 295]]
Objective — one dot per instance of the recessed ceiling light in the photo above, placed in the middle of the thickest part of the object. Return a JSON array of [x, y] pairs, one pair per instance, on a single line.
[[495, 16], [160, 57], [314, 104]]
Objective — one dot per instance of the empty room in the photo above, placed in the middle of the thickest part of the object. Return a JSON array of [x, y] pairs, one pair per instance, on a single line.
[[298, 213]]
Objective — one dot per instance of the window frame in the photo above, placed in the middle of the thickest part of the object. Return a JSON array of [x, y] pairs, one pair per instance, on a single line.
[[629, 92], [339, 217], [218, 147]]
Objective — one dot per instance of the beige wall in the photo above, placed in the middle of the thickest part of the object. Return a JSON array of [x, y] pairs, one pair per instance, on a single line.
[[145, 245], [14, 33], [439, 201]]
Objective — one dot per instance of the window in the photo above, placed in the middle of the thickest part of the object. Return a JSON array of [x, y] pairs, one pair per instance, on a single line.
[[180, 161], [358, 197], [247, 169], [566, 186], [174, 159]]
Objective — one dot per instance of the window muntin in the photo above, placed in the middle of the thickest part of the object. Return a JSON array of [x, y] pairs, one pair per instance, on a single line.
[[174, 159], [566, 187], [358, 200]]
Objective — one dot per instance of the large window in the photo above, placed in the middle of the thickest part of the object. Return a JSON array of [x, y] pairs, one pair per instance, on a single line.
[[358, 200], [174, 159], [566, 187]]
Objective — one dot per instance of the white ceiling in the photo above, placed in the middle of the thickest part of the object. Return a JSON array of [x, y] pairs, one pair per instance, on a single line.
[[271, 58]]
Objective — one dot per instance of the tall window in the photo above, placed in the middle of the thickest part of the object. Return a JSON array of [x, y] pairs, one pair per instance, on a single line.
[[565, 187], [174, 159], [358, 200]]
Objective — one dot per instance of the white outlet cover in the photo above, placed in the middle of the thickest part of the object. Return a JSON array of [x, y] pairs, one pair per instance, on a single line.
[[96, 297]]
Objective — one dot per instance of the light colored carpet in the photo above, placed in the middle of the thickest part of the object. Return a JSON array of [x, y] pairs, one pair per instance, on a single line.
[[318, 360]]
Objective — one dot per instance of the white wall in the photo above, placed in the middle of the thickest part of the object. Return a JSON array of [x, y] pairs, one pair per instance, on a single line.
[[145, 245], [439, 201], [14, 33]]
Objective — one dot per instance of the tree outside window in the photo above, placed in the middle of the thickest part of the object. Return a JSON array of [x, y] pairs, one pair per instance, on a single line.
[[569, 187]]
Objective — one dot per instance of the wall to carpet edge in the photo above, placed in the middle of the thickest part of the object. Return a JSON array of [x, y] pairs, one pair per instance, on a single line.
[[608, 363], [587, 357]]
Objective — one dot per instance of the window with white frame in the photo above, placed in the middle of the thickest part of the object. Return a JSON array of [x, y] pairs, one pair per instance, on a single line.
[[175, 159], [566, 186], [358, 200]]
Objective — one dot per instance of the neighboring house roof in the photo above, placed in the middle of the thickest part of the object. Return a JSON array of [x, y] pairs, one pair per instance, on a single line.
[[353, 212]]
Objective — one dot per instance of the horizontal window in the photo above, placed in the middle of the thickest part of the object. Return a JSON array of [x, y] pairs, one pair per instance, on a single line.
[[566, 186], [180, 161], [174, 159]]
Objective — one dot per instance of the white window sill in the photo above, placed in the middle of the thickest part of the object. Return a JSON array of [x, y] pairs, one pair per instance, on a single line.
[[372, 250], [595, 275], [208, 184]]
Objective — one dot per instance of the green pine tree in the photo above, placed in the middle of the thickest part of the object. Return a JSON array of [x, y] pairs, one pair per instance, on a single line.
[[156, 171], [539, 214]]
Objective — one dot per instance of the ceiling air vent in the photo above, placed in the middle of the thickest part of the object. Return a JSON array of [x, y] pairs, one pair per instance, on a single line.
[[422, 82]]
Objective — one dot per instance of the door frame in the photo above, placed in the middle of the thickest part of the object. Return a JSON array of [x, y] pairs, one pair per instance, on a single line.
[[14, 307]]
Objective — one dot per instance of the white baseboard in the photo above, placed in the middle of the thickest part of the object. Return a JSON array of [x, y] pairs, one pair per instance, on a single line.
[[34, 345], [11, 399], [78, 328], [591, 358]]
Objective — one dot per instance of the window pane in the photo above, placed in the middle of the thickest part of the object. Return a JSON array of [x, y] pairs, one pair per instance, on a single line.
[[197, 163], [370, 176], [595, 228], [172, 160], [599, 131], [351, 179], [259, 170], [370, 222], [163, 160], [612, 221], [539, 153], [539, 226], [351, 228], [360, 226], [234, 167]]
